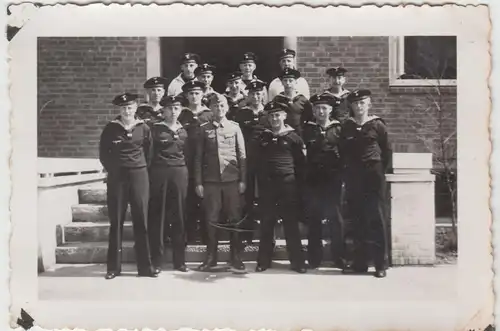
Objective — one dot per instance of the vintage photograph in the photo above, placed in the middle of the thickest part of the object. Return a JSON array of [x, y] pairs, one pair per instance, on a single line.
[[249, 168]]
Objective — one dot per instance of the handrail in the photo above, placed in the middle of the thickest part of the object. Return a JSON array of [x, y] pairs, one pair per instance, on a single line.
[[61, 167]]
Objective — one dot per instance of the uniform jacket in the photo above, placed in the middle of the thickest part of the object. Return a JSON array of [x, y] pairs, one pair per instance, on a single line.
[[191, 124], [122, 148], [281, 154], [365, 143], [341, 108], [251, 125], [299, 110], [220, 153], [322, 144], [276, 87], [235, 105], [147, 113], [168, 146]]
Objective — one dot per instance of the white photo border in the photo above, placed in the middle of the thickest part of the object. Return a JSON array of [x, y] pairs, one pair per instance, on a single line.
[[471, 25]]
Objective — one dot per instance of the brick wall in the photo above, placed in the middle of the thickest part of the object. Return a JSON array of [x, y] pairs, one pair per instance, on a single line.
[[77, 79], [367, 59]]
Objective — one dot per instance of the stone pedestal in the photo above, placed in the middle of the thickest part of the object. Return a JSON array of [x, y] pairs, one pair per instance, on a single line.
[[412, 209]]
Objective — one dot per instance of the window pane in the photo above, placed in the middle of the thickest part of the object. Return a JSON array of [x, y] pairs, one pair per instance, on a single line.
[[430, 57]]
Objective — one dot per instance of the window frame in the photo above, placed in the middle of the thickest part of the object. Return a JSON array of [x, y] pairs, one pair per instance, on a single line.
[[396, 67]]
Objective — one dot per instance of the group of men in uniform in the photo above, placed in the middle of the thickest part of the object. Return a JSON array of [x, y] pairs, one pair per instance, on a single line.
[[256, 154]]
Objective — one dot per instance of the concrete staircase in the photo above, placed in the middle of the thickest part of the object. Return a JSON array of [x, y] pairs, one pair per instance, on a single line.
[[84, 240]]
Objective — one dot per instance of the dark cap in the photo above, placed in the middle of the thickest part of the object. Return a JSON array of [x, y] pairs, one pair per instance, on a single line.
[[289, 73], [336, 71], [125, 99], [273, 107], [255, 85], [189, 57], [323, 99], [215, 97], [193, 85], [170, 100], [248, 57], [358, 95], [287, 53], [155, 82], [234, 76], [204, 68]]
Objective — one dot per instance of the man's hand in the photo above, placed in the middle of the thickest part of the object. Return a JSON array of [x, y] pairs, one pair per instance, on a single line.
[[242, 187], [199, 190]]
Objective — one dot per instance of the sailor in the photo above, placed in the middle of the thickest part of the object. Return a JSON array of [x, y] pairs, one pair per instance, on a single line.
[[252, 121], [247, 66], [323, 182], [287, 61], [235, 97], [299, 109], [168, 184], [155, 89], [282, 163], [205, 74], [191, 117], [366, 154], [124, 151], [337, 90], [220, 176], [188, 62]]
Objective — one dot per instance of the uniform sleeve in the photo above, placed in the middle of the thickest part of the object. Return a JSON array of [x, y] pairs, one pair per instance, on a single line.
[[241, 154], [385, 147], [105, 148], [342, 146], [173, 89], [148, 145], [299, 158], [199, 146], [307, 114]]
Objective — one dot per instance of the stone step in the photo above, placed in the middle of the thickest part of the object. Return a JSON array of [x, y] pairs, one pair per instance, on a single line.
[[93, 213], [95, 194], [99, 231], [95, 252]]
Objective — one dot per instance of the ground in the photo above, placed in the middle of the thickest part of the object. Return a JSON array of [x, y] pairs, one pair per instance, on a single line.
[[86, 282]]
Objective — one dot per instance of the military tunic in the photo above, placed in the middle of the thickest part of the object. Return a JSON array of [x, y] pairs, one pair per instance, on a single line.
[[125, 154], [366, 154]]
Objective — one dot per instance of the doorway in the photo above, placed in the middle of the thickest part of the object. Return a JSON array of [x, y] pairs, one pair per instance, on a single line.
[[224, 53]]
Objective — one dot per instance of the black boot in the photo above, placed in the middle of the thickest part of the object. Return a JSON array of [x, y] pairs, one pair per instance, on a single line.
[[211, 258], [236, 263]]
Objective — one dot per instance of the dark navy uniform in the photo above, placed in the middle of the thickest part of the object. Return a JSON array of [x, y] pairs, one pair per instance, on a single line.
[[252, 122], [235, 102], [125, 154], [282, 165], [147, 112], [191, 122], [203, 69], [324, 185], [168, 184], [366, 153], [299, 109]]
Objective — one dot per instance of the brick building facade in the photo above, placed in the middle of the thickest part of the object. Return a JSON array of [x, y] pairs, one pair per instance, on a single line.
[[78, 77]]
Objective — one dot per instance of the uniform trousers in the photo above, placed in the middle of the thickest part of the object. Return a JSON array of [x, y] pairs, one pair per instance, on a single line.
[[324, 192], [124, 186], [221, 199], [167, 207], [250, 209], [280, 199], [194, 214], [366, 194]]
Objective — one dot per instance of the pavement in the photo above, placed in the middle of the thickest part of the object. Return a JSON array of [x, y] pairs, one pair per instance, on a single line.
[[409, 283]]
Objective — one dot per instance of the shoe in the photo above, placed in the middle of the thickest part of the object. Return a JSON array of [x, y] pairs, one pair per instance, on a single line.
[[260, 268], [207, 265], [300, 270], [313, 265], [149, 273], [182, 268], [111, 275], [157, 270], [380, 273], [354, 269]]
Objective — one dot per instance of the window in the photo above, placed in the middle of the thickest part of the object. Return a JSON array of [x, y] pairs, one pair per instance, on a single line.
[[423, 60]]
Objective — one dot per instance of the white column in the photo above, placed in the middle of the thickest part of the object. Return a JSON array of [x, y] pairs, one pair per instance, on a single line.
[[290, 43], [153, 57], [412, 209]]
